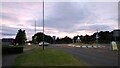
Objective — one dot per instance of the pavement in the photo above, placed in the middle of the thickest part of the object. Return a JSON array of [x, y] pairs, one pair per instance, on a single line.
[[92, 56], [9, 60]]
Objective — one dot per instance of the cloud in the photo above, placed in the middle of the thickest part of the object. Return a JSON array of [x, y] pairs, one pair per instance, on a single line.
[[100, 27], [89, 16], [65, 15], [22, 11], [8, 16], [7, 34], [8, 31], [6, 28], [61, 18]]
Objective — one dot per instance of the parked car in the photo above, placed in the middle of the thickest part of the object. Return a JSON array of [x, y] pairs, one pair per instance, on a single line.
[[45, 43]]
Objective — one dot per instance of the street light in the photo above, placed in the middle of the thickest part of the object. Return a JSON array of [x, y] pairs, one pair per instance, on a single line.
[[97, 37], [35, 32], [43, 24]]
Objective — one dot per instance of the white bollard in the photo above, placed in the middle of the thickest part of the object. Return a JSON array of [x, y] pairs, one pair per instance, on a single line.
[[77, 46], [95, 47], [84, 47], [69, 44], [89, 46]]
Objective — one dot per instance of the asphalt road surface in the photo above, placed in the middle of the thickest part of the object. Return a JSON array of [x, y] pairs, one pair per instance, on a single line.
[[92, 56]]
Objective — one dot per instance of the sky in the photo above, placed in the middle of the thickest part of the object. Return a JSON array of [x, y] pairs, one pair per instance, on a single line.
[[60, 18]]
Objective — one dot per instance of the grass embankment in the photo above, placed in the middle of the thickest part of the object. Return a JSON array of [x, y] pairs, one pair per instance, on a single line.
[[48, 57]]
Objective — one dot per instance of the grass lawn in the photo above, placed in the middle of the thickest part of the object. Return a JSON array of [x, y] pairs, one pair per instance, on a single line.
[[48, 57]]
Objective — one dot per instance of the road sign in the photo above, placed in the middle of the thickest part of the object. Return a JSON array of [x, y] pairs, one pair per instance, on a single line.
[[114, 46], [78, 39]]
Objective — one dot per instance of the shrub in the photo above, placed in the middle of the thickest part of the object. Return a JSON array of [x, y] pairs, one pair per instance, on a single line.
[[12, 49]]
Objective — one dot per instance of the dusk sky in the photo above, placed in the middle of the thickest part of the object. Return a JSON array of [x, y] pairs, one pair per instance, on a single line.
[[61, 18]]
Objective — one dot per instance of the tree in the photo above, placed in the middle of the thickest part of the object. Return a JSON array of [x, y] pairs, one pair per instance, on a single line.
[[65, 40], [38, 37], [105, 37], [57, 40], [20, 37], [87, 39]]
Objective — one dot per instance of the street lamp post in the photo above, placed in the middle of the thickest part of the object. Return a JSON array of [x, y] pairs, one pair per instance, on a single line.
[[43, 25], [35, 25], [97, 37], [35, 31]]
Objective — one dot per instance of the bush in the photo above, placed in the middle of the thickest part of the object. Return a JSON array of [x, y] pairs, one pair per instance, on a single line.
[[12, 49]]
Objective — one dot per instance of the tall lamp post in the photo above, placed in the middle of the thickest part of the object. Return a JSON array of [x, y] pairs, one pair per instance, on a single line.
[[43, 25], [97, 37], [35, 31], [35, 25]]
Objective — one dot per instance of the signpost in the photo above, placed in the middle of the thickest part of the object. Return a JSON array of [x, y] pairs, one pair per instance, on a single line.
[[114, 45], [78, 39]]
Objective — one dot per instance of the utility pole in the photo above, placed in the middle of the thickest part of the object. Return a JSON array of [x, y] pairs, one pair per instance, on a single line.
[[86, 34], [97, 37], [35, 31], [35, 25], [54, 38], [43, 25]]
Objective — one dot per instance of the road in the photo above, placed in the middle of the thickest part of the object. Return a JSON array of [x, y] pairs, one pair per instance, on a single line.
[[92, 56], [9, 60]]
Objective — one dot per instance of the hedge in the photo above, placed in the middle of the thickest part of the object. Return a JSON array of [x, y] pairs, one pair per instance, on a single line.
[[12, 49]]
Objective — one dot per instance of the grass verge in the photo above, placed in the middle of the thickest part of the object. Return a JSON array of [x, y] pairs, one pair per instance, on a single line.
[[79, 43], [48, 57]]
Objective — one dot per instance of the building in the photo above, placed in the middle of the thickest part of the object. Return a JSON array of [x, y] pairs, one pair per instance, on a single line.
[[7, 41], [116, 33]]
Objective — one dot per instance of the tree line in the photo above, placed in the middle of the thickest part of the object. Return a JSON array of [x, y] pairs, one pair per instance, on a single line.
[[104, 37]]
